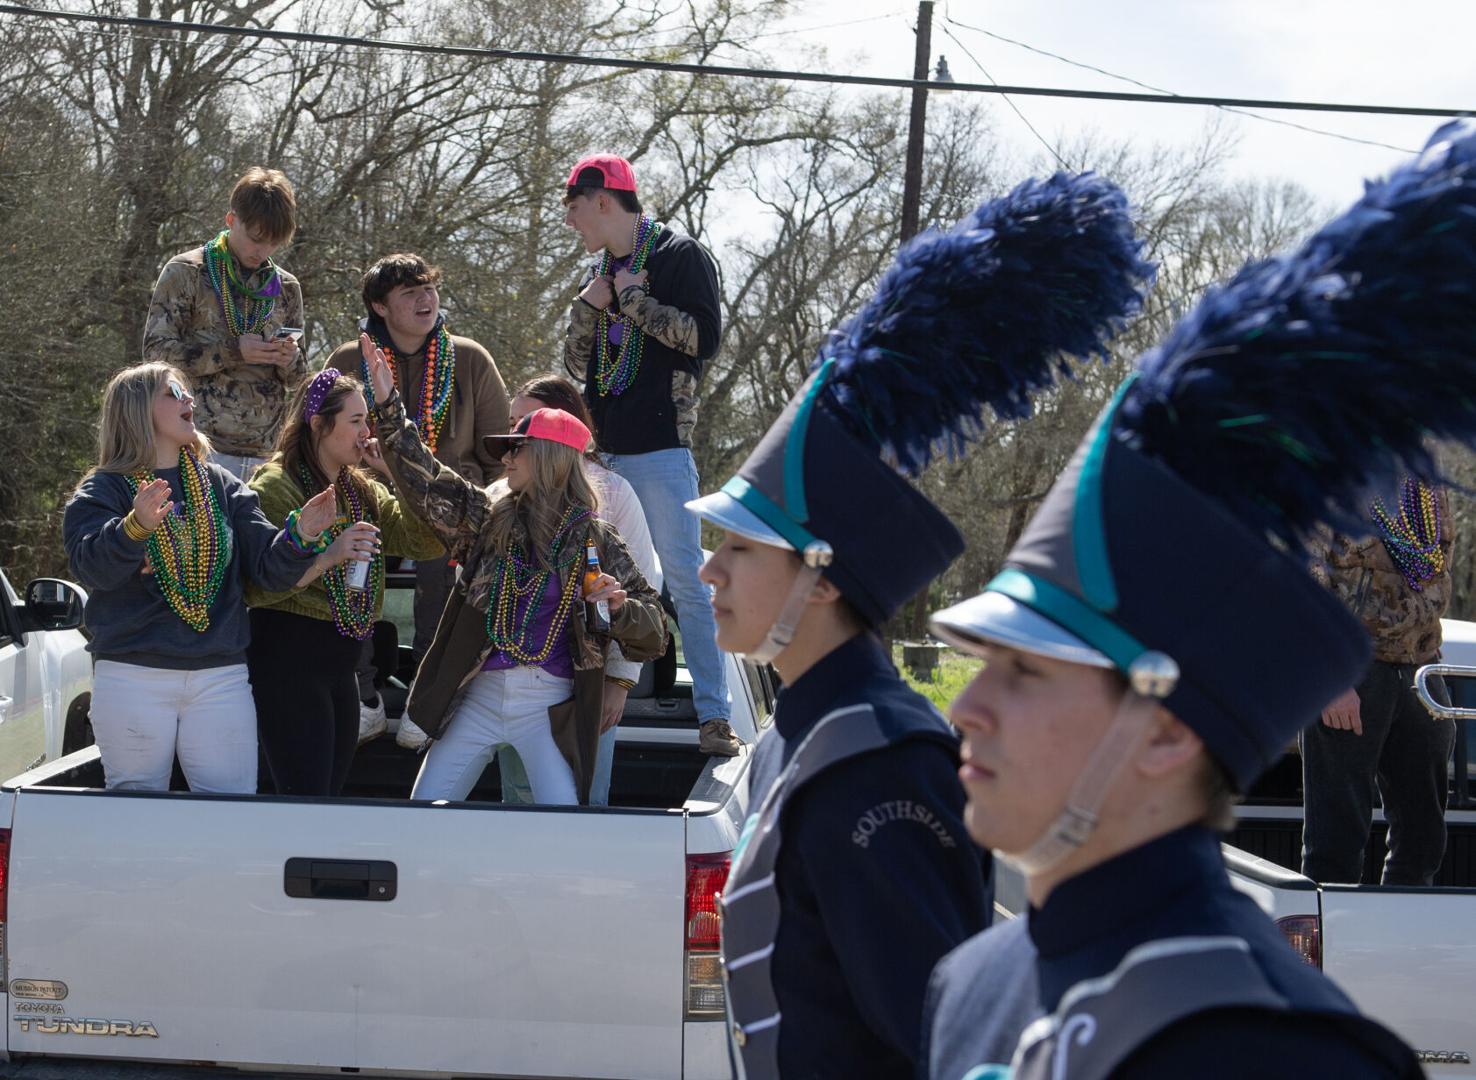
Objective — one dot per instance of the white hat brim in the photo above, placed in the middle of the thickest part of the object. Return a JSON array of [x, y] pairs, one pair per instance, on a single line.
[[997, 619], [726, 512]]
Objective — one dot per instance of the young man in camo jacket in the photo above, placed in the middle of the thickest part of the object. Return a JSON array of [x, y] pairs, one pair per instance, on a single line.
[[231, 319]]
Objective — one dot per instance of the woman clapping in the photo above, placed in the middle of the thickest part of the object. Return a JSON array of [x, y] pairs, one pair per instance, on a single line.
[[165, 542]]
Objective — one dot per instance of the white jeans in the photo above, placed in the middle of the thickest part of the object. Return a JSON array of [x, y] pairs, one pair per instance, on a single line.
[[143, 716], [501, 707]]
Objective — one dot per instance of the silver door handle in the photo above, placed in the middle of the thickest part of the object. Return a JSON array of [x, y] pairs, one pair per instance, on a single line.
[[1437, 710]]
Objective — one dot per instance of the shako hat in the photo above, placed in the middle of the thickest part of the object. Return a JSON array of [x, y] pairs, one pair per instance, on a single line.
[[984, 313], [1273, 408]]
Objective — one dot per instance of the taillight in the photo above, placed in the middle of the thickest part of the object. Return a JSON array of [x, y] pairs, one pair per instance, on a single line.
[[4, 873], [4, 901], [707, 875], [1304, 934]]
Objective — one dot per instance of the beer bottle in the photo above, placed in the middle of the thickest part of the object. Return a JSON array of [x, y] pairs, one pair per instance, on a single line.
[[596, 612]]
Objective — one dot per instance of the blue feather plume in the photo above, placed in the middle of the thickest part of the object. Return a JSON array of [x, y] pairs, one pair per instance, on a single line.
[[985, 313], [1312, 378]]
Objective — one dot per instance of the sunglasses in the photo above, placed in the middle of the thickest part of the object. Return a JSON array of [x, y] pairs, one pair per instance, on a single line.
[[179, 392], [514, 450]]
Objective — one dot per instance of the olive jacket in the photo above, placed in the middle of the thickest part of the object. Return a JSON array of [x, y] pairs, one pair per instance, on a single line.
[[459, 512]]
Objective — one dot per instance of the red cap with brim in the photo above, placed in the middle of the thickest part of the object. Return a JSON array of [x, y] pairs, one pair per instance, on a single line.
[[618, 174], [553, 425]]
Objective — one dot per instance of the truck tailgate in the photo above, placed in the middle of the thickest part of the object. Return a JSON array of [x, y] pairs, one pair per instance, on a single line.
[[537, 941], [1408, 958]]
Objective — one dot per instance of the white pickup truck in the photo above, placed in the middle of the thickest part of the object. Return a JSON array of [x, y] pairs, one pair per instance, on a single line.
[[372, 935], [45, 673]]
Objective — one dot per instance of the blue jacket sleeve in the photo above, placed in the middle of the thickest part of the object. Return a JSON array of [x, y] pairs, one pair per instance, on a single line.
[[99, 552], [881, 844], [267, 557]]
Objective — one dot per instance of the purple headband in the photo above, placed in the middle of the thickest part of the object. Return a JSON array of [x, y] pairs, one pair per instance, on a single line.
[[318, 390]]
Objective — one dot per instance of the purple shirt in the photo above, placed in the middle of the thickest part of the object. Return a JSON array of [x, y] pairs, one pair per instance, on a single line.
[[560, 660]]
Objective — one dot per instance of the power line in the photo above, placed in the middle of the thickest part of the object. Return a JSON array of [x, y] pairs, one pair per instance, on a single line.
[[1038, 136], [675, 67], [1161, 90]]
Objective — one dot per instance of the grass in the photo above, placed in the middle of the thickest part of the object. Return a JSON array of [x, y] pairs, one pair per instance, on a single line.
[[952, 674]]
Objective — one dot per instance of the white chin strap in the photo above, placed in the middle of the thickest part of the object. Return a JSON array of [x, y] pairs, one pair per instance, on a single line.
[[816, 557], [1152, 677]]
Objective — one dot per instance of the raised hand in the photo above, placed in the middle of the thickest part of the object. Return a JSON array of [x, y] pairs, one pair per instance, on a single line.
[[152, 503], [381, 378], [359, 541], [317, 514]]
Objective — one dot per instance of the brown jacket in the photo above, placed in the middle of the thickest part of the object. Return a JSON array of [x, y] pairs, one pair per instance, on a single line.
[[458, 511], [1404, 623], [479, 405], [240, 406]]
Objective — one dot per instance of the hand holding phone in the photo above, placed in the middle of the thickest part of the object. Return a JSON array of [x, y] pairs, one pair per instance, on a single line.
[[293, 332]]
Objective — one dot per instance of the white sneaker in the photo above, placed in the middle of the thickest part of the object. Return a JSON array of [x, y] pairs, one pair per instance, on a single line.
[[372, 722], [409, 736]]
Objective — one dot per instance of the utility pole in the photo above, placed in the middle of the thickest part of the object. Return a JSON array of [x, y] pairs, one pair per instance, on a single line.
[[912, 172]]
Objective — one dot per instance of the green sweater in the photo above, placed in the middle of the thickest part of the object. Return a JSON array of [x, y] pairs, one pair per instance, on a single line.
[[400, 533]]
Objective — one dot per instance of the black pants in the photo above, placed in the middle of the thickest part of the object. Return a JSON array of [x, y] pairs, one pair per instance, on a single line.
[[307, 700], [1406, 752]]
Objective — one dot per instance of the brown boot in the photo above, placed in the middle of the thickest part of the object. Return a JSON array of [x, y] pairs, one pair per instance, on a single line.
[[716, 737]]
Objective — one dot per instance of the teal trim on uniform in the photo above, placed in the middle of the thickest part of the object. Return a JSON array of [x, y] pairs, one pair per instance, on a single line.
[[1071, 612], [1088, 533], [794, 448], [769, 512]]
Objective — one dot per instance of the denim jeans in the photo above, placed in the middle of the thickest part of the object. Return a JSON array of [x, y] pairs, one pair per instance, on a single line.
[[664, 481], [517, 792], [1405, 751]]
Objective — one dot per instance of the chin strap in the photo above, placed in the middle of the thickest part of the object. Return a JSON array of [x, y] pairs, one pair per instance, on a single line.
[[817, 556], [1152, 677]]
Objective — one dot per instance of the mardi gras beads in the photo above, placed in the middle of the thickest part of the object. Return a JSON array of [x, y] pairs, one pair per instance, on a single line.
[[244, 309], [519, 582], [189, 551], [1413, 539], [437, 384], [615, 370], [353, 610]]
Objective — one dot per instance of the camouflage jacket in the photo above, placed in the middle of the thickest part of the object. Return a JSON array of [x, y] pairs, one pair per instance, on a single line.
[[1404, 623], [679, 313], [240, 406], [458, 511]]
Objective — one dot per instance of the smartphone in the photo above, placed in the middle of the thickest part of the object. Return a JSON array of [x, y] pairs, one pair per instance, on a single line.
[[293, 332]]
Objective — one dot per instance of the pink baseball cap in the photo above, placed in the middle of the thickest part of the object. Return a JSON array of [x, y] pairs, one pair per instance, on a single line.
[[554, 425], [617, 173]]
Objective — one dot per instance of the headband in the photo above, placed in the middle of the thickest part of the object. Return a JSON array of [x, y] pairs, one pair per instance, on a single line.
[[318, 390]]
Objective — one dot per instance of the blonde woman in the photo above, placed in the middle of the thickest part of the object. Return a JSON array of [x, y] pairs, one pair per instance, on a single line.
[[512, 661], [164, 540]]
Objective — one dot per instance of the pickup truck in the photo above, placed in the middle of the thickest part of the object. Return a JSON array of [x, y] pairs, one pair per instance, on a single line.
[[1407, 956], [45, 673], [370, 934]]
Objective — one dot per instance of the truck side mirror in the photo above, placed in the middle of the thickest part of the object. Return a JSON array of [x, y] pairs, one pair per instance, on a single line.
[[52, 604]]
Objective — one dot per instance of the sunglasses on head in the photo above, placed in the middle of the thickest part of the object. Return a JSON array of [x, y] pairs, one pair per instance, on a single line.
[[179, 392]]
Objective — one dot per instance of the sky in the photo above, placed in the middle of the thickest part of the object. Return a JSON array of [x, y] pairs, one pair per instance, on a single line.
[[1416, 53]]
